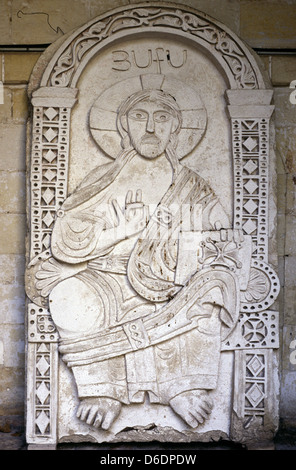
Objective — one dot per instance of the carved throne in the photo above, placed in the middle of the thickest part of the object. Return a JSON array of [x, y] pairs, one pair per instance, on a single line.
[[53, 91]]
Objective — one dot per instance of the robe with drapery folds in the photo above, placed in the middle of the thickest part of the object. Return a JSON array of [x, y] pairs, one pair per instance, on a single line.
[[153, 335]]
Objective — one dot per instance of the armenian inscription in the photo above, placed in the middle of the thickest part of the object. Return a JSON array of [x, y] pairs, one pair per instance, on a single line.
[[124, 60]]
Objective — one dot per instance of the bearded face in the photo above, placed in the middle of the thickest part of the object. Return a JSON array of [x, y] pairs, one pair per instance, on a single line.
[[150, 126], [150, 123]]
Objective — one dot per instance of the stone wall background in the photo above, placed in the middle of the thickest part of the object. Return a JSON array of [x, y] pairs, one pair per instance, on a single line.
[[26, 27]]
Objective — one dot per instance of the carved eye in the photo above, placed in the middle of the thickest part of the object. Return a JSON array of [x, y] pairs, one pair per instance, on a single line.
[[138, 115], [162, 116]]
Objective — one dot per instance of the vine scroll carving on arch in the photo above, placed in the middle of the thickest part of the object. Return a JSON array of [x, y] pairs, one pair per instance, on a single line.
[[213, 36], [138, 279]]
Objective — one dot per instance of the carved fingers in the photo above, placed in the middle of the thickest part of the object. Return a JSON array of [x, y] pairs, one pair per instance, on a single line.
[[133, 218], [129, 199]]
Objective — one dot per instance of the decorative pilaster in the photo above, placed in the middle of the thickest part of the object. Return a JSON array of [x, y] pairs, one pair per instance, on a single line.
[[49, 164], [250, 112], [42, 384], [49, 171], [254, 417], [255, 339]]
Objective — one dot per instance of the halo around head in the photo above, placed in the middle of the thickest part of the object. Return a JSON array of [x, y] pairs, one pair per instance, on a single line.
[[104, 112]]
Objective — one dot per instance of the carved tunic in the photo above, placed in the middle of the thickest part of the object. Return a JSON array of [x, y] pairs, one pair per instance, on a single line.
[[138, 281]]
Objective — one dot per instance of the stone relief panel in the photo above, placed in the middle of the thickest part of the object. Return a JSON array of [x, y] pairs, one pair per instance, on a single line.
[[148, 279]]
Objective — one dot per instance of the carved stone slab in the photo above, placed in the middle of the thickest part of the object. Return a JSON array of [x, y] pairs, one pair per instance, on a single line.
[[150, 288]]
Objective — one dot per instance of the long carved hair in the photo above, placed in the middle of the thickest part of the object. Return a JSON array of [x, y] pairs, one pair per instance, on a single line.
[[101, 177], [150, 95]]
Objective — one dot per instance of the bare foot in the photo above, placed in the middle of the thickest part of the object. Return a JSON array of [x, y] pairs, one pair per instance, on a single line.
[[193, 406], [98, 411]]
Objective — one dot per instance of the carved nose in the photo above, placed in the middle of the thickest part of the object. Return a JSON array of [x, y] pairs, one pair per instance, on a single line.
[[150, 124]]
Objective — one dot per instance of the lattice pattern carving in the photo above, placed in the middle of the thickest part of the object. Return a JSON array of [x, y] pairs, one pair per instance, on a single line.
[[42, 383], [48, 171], [42, 387], [255, 389], [254, 406], [250, 142]]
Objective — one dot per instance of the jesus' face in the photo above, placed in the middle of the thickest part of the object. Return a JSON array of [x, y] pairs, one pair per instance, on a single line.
[[150, 125]]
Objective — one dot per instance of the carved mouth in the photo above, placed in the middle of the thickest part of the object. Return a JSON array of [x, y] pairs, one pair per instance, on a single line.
[[150, 140]]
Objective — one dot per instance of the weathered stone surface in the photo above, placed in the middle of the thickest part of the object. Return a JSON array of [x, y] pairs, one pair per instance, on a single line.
[[12, 379], [260, 29], [12, 269], [153, 276], [12, 142], [13, 345], [280, 64], [49, 21], [12, 237], [38, 22], [288, 394], [12, 197], [284, 109], [17, 66], [12, 301], [13, 158]]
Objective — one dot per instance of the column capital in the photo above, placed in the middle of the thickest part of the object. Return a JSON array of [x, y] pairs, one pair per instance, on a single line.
[[53, 96], [249, 104]]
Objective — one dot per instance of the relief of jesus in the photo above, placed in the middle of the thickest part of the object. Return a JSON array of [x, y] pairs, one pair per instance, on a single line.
[[128, 328]]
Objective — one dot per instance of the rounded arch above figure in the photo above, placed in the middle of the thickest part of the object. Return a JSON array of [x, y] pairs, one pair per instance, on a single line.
[[235, 59]]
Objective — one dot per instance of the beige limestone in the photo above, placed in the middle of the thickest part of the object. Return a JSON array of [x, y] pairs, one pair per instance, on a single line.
[[260, 28], [6, 107], [14, 345], [38, 22], [12, 269], [285, 115], [12, 236], [12, 301], [19, 104], [13, 157], [291, 194], [290, 271], [45, 20], [12, 196], [94, 243], [17, 66], [5, 22], [283, 69], [12, 149], [12, 379]]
